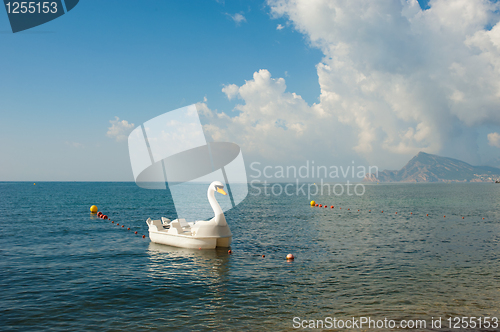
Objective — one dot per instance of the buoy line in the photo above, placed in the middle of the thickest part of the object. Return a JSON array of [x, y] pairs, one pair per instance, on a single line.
[[314, 204], [94, 211]]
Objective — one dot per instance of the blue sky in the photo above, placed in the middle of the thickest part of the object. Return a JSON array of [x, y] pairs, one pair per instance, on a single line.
[[63, 82]]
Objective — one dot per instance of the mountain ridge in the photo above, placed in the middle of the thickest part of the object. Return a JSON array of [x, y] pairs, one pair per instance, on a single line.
[[425, 167]]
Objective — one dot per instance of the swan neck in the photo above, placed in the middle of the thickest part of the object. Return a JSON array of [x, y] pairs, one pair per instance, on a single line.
[[219, 218]]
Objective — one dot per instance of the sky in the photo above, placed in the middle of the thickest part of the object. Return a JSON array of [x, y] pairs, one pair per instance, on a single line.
[[373, 82]]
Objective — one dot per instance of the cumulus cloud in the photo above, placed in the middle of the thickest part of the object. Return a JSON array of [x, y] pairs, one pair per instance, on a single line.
[[494, 139], [280, 27], [274, 125], [237, 18], [119, 130], [402, 78]]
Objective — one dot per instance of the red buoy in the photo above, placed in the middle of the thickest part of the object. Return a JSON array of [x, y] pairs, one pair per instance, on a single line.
[[112, 222], [348, 209], [483, 218], [263, 256], [463, 218], [123, 225], [128, 228], [396, 213], [105, 217], [229, 251], [320, 205], [382, 211], [135, 232], [144, 236], [326, 206], [331, 206], [316, 204], [427, 215]]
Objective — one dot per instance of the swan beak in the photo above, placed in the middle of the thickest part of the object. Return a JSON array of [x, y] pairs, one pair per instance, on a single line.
[[221, 191]]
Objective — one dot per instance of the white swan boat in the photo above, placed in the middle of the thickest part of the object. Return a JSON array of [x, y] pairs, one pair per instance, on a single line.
[[196, 235]]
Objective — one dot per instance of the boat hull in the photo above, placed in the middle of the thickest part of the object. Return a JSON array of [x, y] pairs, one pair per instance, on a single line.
[[184, 241]]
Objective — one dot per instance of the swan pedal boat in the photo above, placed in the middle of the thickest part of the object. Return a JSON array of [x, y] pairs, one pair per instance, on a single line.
[[202, 234]]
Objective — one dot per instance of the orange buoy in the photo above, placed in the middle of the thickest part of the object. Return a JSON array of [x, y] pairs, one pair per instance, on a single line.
[[427, 215], [411, 212], [326, 206], [320, 205], [463, 218], [112, 222], [290, 257], [348, 209], [123, 225], [340, 208], [331, 207], [263, 256], [316, 205], [369, 210], [229, 251], [358, 210], [117, 224], [483, 218], [444, 216], [144, 236], [128, 228], [135, 232], [105, 217], [396, 213], [382, 211]]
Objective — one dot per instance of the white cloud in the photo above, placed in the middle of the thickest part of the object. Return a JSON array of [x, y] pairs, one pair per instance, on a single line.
[[231, 90], [237, 18], [402, 78], [275, 125], [119, 130], [494, 139], [280, 27]]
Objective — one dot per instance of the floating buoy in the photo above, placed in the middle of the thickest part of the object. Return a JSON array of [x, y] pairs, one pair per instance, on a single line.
[[340, 208], [396, 213], [263, 256], [331, 206], [34, 184], [411, 212], [289, 257], [128, 228], [135, 232], [123, 225], [93, 209], [229, 251], [99, 213], [105, 217], [463, 218], [326, 206], [444, 216], [483, 218], [382, 212], [348, 209], [144, 236], [369, 210], [316, 205], [427, 215], [313, 203], [112, 222], [320, 205], [117, 224], [358, 210]]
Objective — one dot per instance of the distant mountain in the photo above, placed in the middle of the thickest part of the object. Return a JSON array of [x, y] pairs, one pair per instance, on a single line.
[[426, 167]]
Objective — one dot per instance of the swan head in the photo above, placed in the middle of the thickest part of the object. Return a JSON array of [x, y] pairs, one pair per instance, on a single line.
[[217, 186]]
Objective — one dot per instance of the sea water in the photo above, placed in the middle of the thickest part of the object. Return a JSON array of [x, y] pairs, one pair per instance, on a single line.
[[62, 269]]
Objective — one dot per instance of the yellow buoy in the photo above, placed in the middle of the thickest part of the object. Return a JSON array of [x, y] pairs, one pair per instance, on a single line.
[[93, 209], [34, 184], [313, 203]]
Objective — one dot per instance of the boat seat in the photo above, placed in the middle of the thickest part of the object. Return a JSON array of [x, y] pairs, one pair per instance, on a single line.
[[183, 223], [158, 224]]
